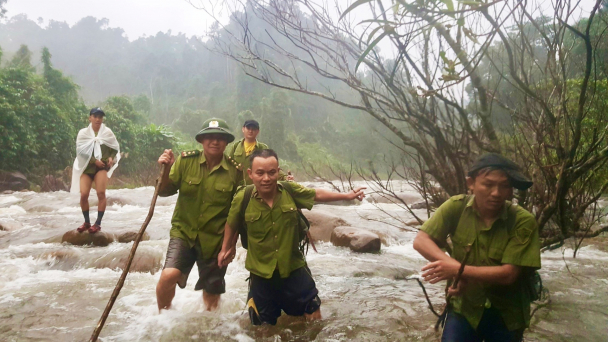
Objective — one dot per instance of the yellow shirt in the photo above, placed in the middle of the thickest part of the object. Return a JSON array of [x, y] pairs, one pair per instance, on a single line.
[[249, 147]]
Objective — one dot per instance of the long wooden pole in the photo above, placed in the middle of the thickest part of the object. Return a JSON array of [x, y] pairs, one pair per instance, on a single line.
[[125, 271]]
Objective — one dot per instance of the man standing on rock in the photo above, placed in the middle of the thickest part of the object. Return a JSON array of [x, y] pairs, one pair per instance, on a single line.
[[492, 300], [206, 181], [280, 278], [97, 156], [240, 150]]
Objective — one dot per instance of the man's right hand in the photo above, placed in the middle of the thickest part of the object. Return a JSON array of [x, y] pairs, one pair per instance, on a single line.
[[226, 256], [100, 164], [167, 158]]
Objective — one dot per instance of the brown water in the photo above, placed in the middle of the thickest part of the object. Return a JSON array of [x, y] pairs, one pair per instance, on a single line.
[[50, 291]]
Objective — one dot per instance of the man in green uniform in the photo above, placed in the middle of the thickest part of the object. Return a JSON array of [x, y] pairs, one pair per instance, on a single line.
[[492, 301], [206, 181], [240, 150], [280, 278]]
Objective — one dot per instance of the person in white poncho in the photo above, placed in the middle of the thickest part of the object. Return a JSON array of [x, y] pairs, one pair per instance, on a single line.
[[97, 156]]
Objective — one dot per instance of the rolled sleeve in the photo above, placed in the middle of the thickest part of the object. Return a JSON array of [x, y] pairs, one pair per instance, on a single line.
[[175, 179], [444, 220], [234, 216], [523, 248], [302, 196]]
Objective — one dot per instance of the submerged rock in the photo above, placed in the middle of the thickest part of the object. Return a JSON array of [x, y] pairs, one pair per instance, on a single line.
[[14, 181], [322, 224], [100, 239], [407, 197], [127, 237], [357, 239], [145, 260]]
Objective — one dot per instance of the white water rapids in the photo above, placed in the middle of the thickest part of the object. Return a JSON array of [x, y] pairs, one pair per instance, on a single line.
[[57, 292]]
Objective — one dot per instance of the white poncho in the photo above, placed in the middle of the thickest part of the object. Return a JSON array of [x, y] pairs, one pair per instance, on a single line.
[[87, 145]]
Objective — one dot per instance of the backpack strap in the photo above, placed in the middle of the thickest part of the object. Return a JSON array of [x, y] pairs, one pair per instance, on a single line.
[[287, 186], [243, 227]]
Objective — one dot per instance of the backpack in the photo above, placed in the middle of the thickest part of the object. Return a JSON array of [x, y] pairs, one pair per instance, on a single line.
[[303, 223], [531, 282]]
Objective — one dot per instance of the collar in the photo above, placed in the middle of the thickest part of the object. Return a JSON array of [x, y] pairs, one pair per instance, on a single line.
[[202, 160], [240, 146], [504, 212]]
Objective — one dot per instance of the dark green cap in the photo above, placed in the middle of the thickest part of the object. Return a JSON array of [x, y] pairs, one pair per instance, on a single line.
[[215, 126]]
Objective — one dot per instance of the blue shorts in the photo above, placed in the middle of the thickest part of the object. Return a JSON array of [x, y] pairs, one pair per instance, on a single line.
[[491, 328], [296, 295]]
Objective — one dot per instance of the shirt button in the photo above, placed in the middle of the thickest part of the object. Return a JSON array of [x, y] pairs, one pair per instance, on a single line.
[[291, 209], [276, 250], [190, 182], [275, 236], [272, 222], [201, 215]]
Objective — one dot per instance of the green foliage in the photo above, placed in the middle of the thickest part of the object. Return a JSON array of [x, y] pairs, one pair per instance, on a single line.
[[33, 131], [191, 122], [22, 59]]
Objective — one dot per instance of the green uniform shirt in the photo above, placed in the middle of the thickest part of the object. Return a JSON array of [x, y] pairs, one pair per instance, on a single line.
[[237, 153], [512, 239], [106, 152], [273, 233], [203, 202]]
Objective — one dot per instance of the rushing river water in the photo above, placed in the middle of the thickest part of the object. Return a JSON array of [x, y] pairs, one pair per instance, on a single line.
[[55, 292]]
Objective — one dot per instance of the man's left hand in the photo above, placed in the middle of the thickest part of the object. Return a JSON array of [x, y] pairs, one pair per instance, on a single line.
[[439, 270], [357, 193], [110, 162]]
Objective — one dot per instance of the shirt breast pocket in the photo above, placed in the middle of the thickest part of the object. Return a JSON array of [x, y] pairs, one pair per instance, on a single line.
[[289, 214], [222, 194], [190, 186], [495, 254], [255, 228]]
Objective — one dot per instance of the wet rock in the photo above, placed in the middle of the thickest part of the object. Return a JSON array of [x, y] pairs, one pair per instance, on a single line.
[[51, 183], [413, 223], [407, 197], [2, 227], [127, 237], [145, 260], [114, 200], [322, 224], [357, 239], [420, 205], [7, 192], [100, 239], [14, 181]]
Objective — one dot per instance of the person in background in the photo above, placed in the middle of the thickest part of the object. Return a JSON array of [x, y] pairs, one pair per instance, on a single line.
[[97, 156]]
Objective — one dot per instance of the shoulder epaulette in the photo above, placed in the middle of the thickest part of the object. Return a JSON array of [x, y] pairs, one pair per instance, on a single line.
[[233, 162], [187, 154], [458, 197]]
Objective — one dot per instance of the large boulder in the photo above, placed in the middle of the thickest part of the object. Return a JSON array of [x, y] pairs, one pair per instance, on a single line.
[[322, 224], [100, 239], [51, 183], [14, 181], [146, 260], [127, 237], [357, 239], [407, 197]]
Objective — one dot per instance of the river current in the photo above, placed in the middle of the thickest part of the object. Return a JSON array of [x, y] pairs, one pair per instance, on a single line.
[[57, 292]]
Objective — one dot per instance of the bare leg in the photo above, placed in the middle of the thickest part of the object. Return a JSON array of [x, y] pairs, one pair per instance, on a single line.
[[165, 289], [85, 188], [211, 301], [101, 182], [313, 316]]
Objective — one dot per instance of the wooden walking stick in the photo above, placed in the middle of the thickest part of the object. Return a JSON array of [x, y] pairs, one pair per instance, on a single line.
[[444, 314], [125, 271]]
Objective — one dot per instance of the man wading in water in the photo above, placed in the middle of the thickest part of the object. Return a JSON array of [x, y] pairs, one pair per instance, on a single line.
[[491, 302], [206, 181], [97, 156], [280, 278]]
